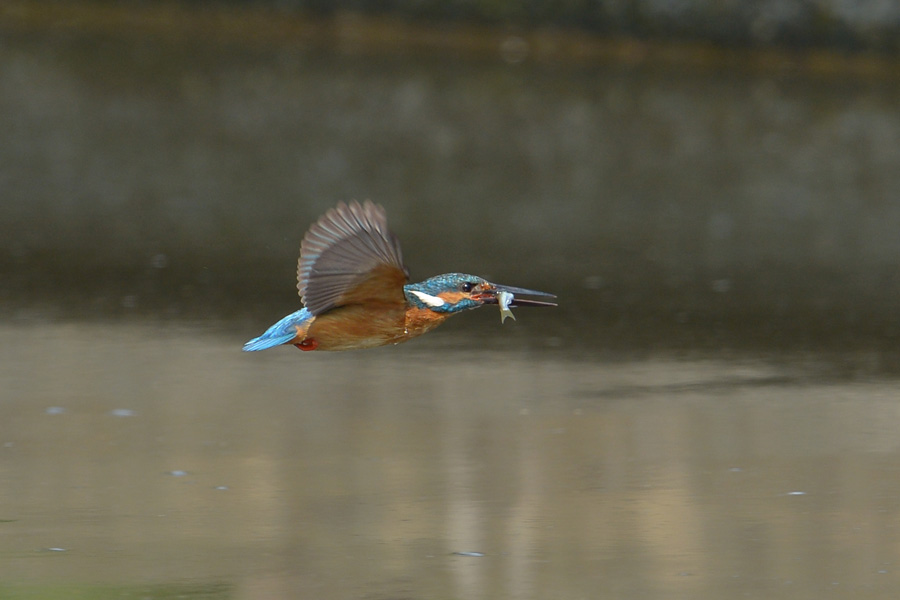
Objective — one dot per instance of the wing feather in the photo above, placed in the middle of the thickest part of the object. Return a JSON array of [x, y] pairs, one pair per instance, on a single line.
[[349, 256]]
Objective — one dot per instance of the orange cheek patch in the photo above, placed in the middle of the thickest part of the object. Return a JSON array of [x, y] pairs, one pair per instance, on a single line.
[[452, 297]]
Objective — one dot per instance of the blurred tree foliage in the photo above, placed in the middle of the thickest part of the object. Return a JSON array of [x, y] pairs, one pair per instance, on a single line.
[[847, 24]]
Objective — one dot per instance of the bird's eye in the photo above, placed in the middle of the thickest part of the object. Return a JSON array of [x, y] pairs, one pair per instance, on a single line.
[[467, 286]]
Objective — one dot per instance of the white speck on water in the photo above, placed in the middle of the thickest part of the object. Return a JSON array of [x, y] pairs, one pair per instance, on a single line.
[[177, 473], [221, 487], [593, 282], [796, 493], [57, 549], [720, 286], [513, 49], [553, 341], [55, 410], [122, 412], [476, 554], [159, 261]]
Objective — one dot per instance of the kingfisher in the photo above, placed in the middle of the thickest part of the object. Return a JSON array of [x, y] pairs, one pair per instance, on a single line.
[[356, 293]]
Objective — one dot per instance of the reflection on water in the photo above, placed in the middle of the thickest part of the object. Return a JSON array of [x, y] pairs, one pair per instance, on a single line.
[[710, 413], [714, 210], [149, 456]]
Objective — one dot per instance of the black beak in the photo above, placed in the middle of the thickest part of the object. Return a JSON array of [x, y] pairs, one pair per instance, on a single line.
[[490, 296]]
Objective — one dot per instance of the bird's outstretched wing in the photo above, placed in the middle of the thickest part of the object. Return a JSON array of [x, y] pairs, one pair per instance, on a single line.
[[349, 256]]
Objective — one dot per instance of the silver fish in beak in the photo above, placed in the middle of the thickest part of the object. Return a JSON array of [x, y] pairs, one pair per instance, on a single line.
[[506, 296], [503, 300]]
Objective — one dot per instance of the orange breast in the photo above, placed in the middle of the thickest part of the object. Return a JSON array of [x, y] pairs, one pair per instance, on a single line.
[[422, 320], [369, 325], [358, 326]]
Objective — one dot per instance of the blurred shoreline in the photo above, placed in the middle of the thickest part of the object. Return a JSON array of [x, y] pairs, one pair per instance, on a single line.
[[353, 32]]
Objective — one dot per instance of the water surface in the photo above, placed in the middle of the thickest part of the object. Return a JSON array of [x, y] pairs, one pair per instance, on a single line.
[[171, 462], [710, 413]]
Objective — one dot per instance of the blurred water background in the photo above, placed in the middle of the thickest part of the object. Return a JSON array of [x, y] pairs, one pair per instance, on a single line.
[[712, 410]]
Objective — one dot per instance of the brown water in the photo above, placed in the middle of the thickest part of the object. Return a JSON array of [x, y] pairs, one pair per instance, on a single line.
[[712, 411], [140, 463]]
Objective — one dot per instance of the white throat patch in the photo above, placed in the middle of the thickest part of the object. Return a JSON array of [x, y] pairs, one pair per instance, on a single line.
[[428, 298]]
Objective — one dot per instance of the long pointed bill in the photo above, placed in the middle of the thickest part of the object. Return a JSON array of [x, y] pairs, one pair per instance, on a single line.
[[490, 297]]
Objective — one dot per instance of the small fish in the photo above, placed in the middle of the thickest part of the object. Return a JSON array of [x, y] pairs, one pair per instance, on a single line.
[[503, 300]]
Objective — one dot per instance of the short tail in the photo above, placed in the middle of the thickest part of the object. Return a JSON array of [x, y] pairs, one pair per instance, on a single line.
[[280, 333]]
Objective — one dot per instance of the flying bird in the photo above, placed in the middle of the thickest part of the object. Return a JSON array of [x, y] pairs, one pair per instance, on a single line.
[[356, 293]]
